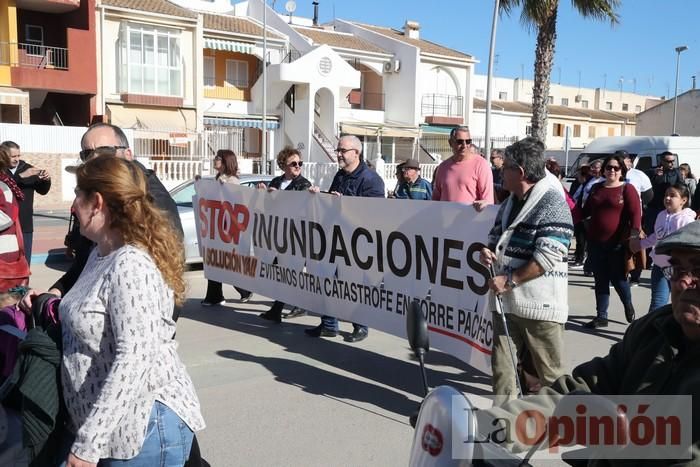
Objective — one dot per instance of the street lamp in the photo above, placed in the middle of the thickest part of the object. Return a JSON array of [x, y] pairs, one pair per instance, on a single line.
[[679, 49], [489, 82]]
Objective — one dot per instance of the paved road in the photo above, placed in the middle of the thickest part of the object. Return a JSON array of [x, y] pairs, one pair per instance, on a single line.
[[272, 396]]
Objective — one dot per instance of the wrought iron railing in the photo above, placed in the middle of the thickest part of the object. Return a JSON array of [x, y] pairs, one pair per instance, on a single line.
[[442, 105], [33, 55]]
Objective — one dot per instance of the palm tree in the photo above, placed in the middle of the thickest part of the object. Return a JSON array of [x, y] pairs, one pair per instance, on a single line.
[[542, 14]]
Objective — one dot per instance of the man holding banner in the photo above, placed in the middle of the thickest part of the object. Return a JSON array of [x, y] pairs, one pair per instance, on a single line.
[[528, 245], [354, 178]]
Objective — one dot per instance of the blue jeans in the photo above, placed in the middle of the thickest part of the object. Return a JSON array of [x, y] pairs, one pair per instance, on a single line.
[[660, 289], [167, 443], [331, 323], [608, 263]]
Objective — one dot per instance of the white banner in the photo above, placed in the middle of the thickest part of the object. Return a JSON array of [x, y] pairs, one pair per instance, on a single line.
[[360, 259]]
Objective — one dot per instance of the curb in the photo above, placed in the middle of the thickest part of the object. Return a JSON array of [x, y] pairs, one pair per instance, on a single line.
[[50, 258]]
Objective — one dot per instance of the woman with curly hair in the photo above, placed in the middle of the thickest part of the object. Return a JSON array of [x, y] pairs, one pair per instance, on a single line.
[[128, 396]]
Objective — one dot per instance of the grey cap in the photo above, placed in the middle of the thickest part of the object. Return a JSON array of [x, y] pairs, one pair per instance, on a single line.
[[687, 238], [411, 164]]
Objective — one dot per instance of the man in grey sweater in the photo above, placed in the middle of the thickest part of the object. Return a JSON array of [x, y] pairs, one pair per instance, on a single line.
[[528, 246]]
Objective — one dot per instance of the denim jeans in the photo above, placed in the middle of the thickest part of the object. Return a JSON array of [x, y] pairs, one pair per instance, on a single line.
[[330, 323], [167, 443], [608, 263], [660, 289]]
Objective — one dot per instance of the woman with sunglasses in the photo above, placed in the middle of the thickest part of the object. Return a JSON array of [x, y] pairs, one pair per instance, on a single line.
[[289, 161], [226, 166], [614, 215]]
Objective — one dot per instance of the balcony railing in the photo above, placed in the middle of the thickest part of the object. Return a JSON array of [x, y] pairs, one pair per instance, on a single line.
[[33, 56], [442, 105], [358, 99]]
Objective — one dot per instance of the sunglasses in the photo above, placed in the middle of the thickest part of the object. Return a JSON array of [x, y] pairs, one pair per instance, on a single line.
[[86, 154], [343, 150], [669, 161], [295, 164], [466, 142], [616, 168]]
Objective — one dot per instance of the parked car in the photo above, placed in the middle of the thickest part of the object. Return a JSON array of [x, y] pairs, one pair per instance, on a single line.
[[182, 195]]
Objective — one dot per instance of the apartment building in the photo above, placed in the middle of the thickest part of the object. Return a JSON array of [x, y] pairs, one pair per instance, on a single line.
[[583, 113], [47, 62]]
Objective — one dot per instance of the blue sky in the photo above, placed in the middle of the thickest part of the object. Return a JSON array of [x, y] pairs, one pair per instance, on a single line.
[[640, 48]]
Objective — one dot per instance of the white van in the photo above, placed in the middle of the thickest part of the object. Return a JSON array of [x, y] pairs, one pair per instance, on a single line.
[[644, 150]]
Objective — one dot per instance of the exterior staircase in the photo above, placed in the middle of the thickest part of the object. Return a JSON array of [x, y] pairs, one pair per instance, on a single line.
[[327, 144]]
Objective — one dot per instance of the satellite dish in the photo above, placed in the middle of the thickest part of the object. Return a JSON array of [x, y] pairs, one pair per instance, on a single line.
[[290, 6]]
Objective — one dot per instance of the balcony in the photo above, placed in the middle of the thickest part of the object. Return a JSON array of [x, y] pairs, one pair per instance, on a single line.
[[442, 109], [239, 91], [357, 99], [33, 56]]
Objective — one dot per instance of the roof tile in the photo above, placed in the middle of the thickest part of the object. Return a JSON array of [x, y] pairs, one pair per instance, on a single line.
[[153, 6], [422, 44], [236, 24], [336, 39]]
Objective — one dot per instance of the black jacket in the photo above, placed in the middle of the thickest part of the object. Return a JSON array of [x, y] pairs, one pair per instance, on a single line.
[[659, 183], [28, 186], [161, 198], [298, 184]]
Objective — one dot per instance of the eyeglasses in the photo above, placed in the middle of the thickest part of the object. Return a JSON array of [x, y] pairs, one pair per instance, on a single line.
[[466, 142], [674, 273], [611, 168], [342, 151], [295, 164], [406, 169], [86, 154], [218, 159]]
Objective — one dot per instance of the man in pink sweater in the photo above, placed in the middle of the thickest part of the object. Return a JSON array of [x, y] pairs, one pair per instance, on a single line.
[[466, 176]]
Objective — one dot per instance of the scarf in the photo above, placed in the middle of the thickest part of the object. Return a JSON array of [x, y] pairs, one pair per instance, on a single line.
[[9, 181]]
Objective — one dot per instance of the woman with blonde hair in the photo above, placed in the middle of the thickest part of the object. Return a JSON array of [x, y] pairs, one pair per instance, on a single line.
[[128, 396], [226, 166]]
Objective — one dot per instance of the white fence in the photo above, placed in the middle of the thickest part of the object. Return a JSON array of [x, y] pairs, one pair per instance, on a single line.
[[172, 173]]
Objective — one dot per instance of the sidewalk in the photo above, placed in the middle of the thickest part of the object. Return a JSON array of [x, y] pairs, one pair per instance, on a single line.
[[50, 229]]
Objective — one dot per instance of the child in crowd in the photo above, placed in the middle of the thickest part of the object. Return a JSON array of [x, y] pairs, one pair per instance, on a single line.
[[676, 215]]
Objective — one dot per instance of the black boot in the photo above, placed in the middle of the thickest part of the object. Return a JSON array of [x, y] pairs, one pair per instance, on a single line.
[[629, 312]]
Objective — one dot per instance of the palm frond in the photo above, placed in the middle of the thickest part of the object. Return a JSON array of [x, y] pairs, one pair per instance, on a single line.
[[598, 9]]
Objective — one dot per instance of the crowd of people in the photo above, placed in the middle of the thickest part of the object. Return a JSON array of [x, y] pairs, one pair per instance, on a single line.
[[120, 298]]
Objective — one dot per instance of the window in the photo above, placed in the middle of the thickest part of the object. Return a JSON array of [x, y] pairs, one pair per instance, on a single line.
[[550, 100], [558, 129], [209, 72], [608, 106], [577, 131], [637, 108], [528, 130], [150, 61], [34, 34], [584, 104], [591, 132], [565, 101], [625, 107], [611, 131], [236, 73], [479, 93], [502, 96]]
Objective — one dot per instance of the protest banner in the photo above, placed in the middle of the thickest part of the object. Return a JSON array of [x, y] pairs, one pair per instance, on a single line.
[[360, 259]]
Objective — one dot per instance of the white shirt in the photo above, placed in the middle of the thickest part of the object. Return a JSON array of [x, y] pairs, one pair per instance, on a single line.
[[119, 356], [639, 180]]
